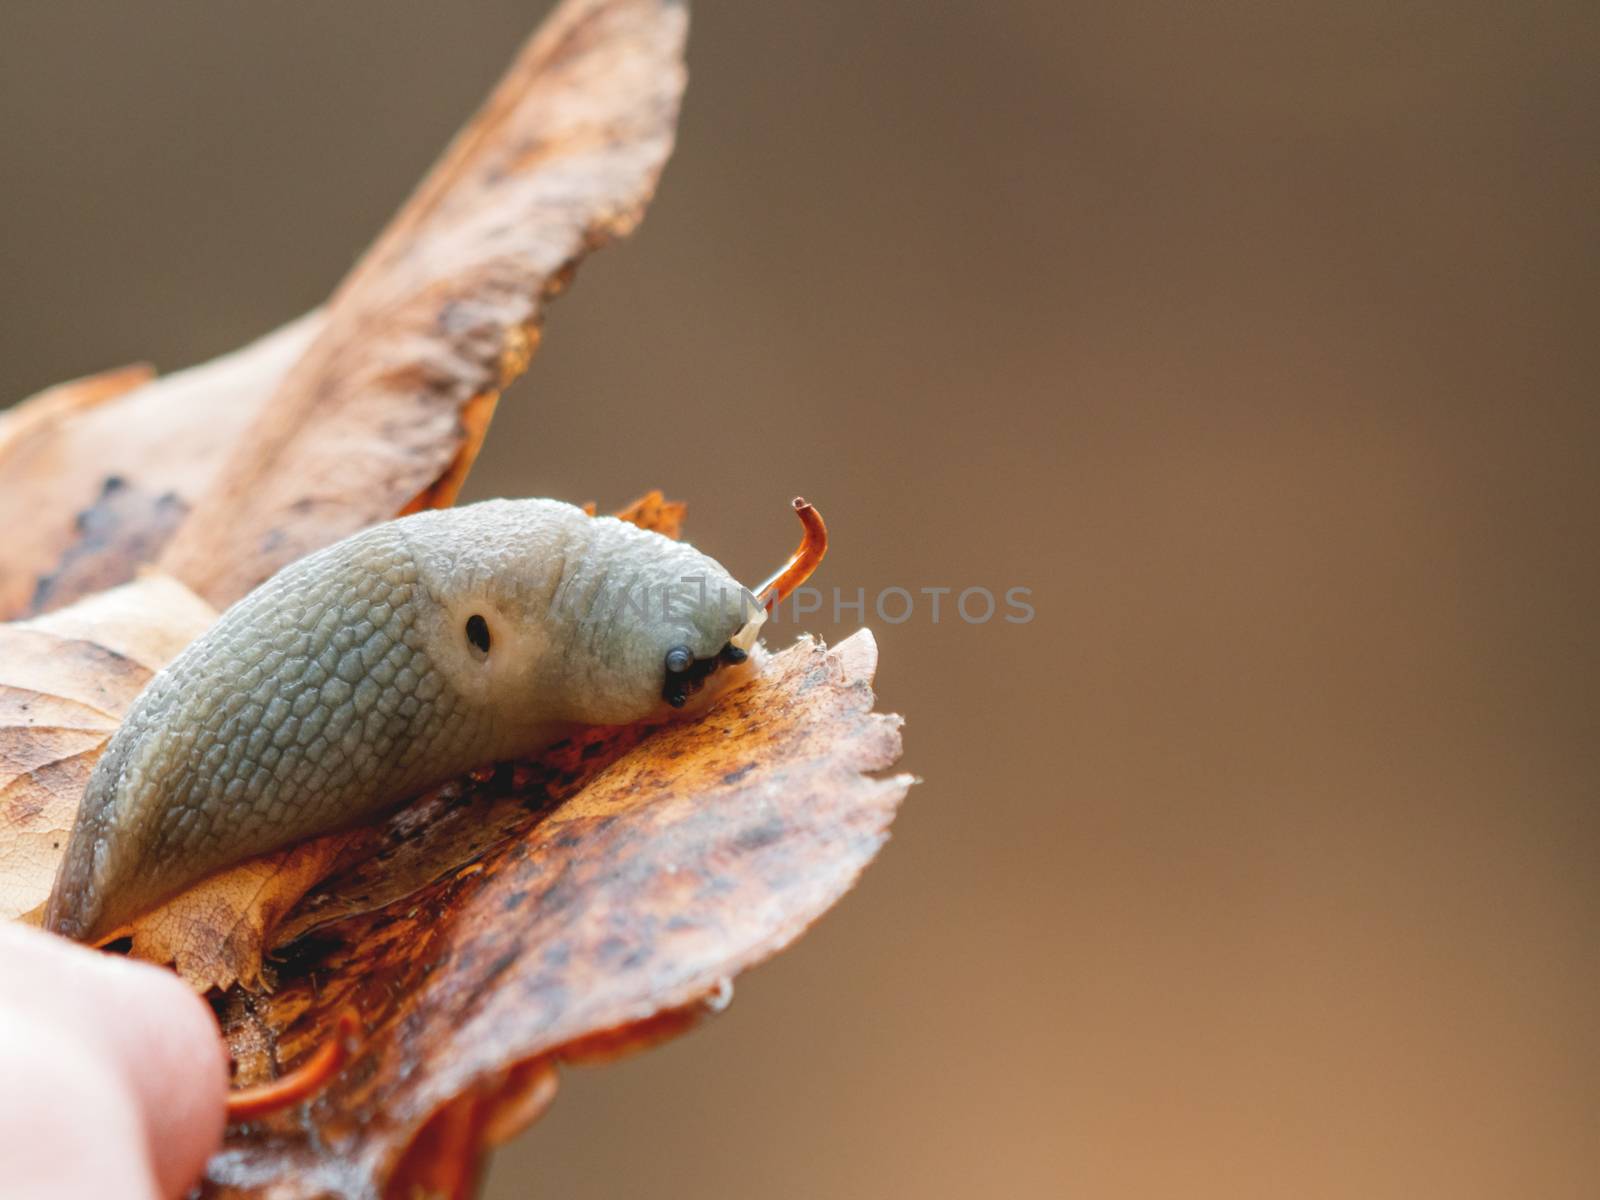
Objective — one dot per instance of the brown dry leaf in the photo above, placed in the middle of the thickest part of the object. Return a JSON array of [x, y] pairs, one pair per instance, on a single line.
[[65, 681], [213, 934], [386, 409], [563, 911], [56, 403], [632, 873], [95, 475], [654, 511], [376, 408], [387, 402]]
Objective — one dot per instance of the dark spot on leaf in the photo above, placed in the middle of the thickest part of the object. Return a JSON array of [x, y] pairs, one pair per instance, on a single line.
[[121, 531], [758, 836]]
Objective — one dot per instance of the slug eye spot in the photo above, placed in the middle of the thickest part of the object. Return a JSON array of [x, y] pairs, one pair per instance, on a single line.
[[478, 633], [686, 675]]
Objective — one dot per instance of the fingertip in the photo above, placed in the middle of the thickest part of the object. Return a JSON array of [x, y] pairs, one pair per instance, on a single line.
[[173, 1055], [143, 1025], [69, 1125]]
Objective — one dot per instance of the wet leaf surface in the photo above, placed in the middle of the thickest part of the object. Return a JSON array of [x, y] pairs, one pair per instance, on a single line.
[[631, 874]]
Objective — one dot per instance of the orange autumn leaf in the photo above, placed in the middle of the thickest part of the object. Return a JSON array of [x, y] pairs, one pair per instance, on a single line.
[[532, 915], [376, 406], [215, 934], [654, 511], [385, 411], [52, 405], [97, 474], [65, 680], [93, 500], [631, 875]]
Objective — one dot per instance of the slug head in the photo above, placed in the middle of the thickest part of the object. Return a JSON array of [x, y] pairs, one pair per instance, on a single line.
[[692, 677], [551, 616], [678, 633], [548, 616], [687, 672]]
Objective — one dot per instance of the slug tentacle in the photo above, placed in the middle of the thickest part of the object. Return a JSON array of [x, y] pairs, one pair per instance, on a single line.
[[813, 545]]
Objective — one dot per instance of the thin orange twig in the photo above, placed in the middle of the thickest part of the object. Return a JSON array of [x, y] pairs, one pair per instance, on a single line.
[[250, 1103]]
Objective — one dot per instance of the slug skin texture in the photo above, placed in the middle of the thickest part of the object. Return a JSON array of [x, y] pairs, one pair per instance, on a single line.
[[380, 666]]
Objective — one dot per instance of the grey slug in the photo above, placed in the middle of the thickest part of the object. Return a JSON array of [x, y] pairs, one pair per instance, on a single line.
[[387, 663]]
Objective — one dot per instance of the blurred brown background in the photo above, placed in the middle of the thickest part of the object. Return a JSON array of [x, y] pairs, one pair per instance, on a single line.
[[1259, 340]]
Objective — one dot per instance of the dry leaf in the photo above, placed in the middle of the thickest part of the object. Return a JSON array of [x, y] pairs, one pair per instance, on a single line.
[[57, 403], [96, 475], [391, 393], [563, 157], [563, 911], [680, 856], [65, 681], [654, 511], [386, 409], [213, 934]]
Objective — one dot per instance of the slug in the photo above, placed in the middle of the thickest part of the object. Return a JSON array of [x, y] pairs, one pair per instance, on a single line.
[[387, 663]]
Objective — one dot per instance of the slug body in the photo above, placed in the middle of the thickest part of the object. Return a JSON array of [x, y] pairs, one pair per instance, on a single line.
[[386, 663]]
